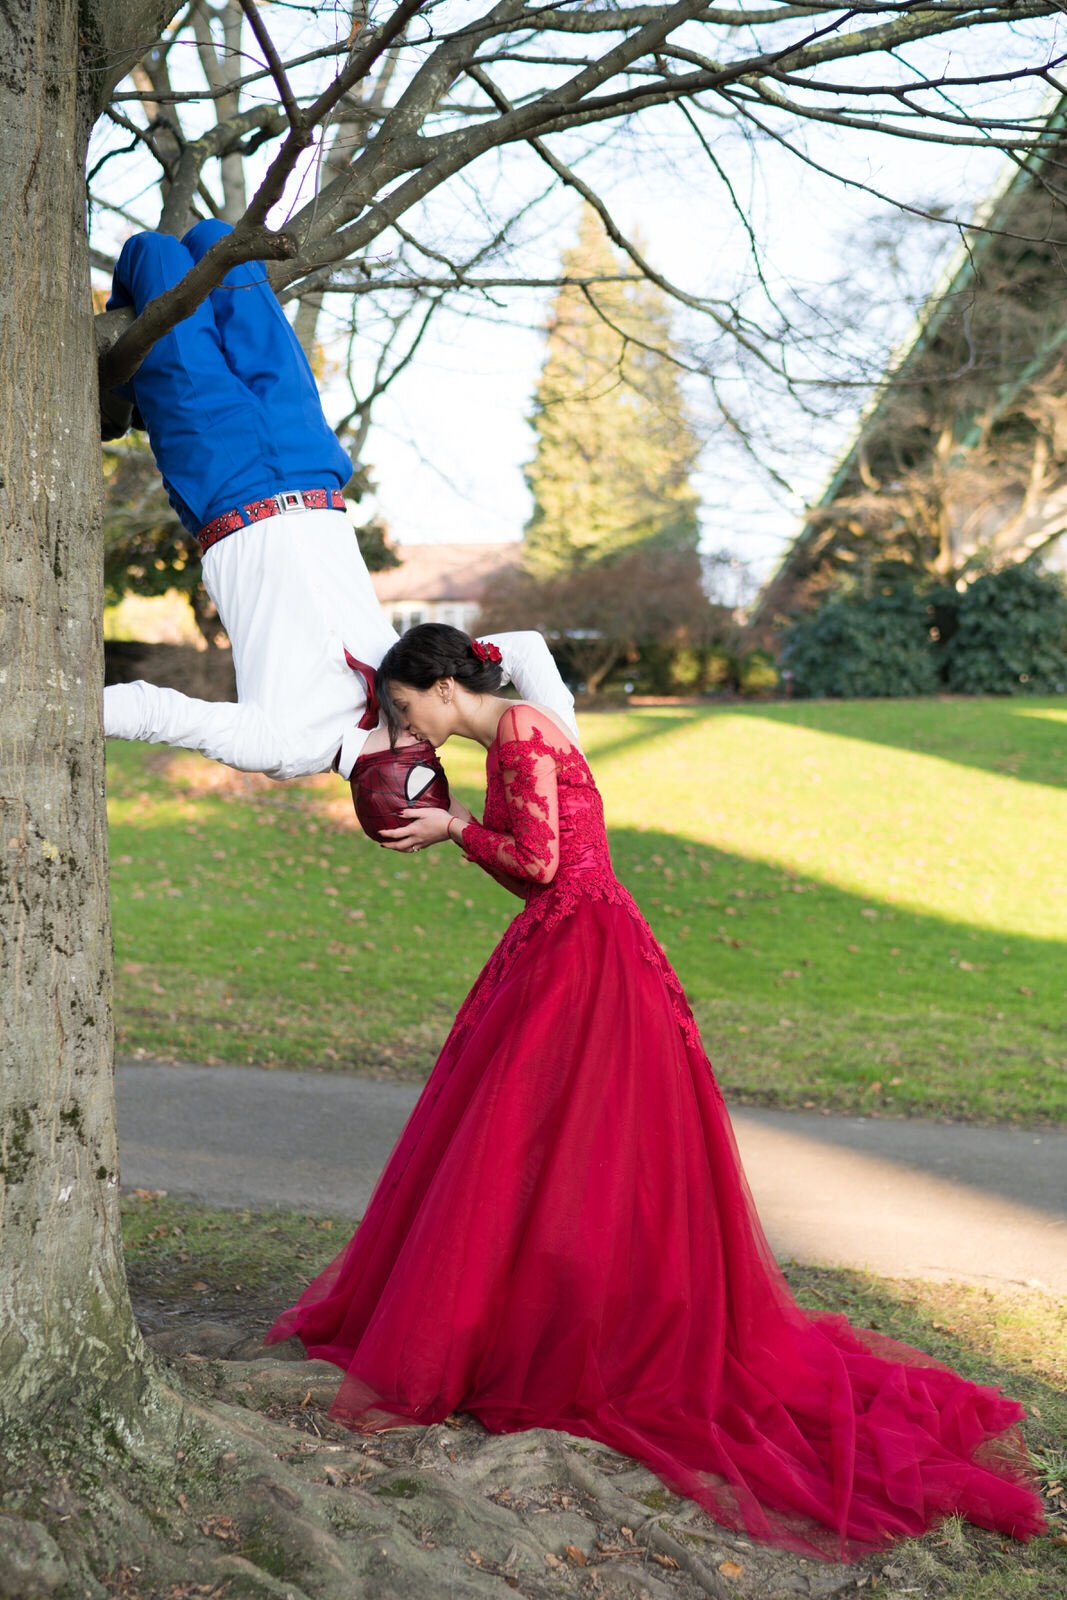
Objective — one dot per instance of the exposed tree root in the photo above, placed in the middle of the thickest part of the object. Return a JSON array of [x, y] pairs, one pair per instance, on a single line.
[[236, 1485]]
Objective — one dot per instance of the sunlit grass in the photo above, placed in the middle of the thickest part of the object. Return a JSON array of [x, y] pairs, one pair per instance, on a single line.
[[866, 903]]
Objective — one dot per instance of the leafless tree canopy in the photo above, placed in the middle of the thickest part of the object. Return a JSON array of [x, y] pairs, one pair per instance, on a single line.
[[353, 138]]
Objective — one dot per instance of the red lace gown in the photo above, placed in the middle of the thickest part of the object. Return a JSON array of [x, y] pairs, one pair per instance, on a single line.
[[563, 1236]]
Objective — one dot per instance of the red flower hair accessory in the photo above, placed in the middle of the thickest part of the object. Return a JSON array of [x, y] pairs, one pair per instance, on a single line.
[[485, 650]]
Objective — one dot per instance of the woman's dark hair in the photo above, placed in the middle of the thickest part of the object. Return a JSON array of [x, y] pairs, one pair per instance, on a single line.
[[428, 652]]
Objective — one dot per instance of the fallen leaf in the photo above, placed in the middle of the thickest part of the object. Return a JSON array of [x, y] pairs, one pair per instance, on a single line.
[[664, 1561], [731, 1569], [572, 1552], [220, 1528]]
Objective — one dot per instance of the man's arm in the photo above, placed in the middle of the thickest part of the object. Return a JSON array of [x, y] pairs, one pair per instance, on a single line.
[[528, 662], [240, 735]]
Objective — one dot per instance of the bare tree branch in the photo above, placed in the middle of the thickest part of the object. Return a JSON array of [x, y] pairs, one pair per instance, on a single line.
[[277, 71], [251, 239], [224, 139], [393, 131], [148, 96]]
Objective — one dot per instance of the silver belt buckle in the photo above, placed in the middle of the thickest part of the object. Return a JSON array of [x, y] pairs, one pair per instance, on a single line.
[[291, 500]]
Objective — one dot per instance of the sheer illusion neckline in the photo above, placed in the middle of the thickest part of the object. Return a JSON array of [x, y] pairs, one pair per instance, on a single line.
[[526, 705]]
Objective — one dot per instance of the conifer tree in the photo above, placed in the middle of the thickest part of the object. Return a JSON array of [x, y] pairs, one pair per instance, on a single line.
[[615, 447]]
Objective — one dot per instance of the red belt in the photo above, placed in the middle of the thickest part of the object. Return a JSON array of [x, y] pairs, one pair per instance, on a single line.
[[274, 505]]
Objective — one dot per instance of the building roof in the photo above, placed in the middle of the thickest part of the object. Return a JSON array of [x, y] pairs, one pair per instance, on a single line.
[[444, 571]]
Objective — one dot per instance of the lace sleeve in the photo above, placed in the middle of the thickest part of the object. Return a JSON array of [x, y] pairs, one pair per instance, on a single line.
[[527, 765]]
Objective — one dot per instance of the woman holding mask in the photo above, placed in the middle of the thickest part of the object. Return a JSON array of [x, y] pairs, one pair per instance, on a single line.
[[563, 1236]]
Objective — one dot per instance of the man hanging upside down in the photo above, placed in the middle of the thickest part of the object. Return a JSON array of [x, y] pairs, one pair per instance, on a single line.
[[255, 473]]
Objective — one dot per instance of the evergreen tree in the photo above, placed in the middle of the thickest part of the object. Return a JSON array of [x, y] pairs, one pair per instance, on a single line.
[[615, 447]]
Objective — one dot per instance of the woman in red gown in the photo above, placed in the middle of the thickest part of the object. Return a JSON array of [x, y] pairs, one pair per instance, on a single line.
[[563, 1236]]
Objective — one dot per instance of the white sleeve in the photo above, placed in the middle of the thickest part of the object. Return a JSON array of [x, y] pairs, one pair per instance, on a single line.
[[528, 662], [240, 735]]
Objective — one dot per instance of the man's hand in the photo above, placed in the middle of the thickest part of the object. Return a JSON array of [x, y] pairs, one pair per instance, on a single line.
[[423, 826]]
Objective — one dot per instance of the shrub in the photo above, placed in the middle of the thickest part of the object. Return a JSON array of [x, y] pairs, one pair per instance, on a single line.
[[1010, 635], [756, 673], [864, 645]]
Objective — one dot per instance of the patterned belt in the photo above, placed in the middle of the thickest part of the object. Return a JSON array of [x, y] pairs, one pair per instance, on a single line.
[[275, 505]]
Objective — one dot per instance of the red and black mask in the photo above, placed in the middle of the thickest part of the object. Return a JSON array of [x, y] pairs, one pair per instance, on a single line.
[[391, 781]]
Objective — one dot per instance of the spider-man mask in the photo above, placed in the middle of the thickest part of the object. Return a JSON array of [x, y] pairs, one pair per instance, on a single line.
[[391, 781]]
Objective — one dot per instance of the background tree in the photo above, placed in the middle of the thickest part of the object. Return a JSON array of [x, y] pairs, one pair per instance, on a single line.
[[602, 614], [208, 103], [615, 449], [94, 1438]]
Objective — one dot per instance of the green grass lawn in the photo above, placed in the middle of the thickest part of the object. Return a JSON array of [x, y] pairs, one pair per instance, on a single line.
[[867, 903]]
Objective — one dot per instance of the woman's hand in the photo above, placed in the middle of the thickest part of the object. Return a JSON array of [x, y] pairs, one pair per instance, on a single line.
[[423, 826]]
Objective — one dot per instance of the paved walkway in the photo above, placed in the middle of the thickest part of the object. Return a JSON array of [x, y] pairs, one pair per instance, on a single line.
[[904, 1198]]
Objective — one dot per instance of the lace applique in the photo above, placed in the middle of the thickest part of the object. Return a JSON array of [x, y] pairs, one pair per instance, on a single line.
[[527, 846], [544, 824], [655, 957]]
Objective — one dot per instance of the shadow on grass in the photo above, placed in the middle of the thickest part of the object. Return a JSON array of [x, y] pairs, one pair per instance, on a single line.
[[245, 932], [1014, 738], [306, 946]]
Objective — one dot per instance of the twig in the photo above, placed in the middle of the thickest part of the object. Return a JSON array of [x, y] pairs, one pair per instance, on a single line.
[[251, 239], [273, 60]]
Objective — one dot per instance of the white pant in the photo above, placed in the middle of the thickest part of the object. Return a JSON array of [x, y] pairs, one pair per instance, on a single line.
[[293, 592]]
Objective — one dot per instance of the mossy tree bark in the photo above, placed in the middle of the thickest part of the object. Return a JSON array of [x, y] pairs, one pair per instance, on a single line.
[[66, 1330]]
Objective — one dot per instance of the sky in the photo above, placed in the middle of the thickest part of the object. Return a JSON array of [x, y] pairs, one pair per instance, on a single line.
[[450, 438]]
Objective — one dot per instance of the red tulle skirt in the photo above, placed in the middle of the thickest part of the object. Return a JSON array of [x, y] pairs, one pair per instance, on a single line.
[[563, 1238]]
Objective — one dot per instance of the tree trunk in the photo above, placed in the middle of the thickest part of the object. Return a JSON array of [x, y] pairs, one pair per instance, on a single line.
[[66, 1329]]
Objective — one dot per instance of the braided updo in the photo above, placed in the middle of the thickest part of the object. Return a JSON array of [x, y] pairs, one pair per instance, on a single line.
[[429, 652]]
